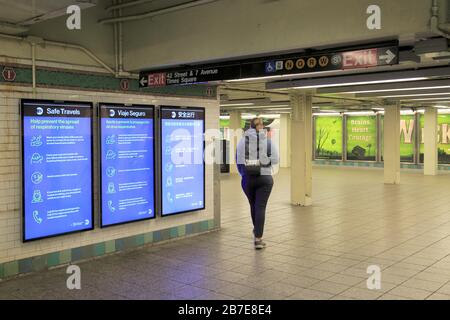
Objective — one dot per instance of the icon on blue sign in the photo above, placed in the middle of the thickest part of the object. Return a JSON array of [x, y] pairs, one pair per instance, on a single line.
[[36, 141], [110, 172], [111, 139], [110, 155], [169, 167], [111, 207], [174, 115], [37, 177], [37, 197], [270, 67], [36, 217], [168, 150], [168, 138], [39, 111], [36, 158], [112, 113], [111, 188], [150, 211], [169, 181], [86, 222], [169, 197]]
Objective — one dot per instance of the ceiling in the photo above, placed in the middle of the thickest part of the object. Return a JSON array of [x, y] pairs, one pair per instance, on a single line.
[[253, 96], [16, 15]]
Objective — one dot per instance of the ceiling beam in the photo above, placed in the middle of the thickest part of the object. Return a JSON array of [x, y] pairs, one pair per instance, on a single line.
[[405, 93], [388, 87], [361, 79]]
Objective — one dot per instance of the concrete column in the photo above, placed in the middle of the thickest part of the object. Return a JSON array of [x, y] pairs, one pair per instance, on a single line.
[[301, 149], [285, 157], [392, 144], [431, 139], [235, 136]]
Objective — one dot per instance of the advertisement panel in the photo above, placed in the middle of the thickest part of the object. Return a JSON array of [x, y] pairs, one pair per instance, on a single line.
[[328, 137], [443, 138], [127, 163], [57, 168], [407, 138], [362, 138], [182, 160]]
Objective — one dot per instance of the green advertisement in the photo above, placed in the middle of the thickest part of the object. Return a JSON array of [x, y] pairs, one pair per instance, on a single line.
[[407, 138], [328, 142], [362, 138], [443, 138]]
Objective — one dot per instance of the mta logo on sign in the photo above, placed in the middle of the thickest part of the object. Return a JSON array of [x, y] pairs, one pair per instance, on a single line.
[[270, 67]]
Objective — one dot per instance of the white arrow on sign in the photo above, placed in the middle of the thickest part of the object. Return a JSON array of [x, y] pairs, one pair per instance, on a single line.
[[143, 81], [388, 57]]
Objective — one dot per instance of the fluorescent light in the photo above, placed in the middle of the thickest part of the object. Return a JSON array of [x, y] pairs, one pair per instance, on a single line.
[[272, 106], [224, 117], [360, 113], [431, 99], [355, 83], [399, 89], [327, 114], [329, 111], [237, 104], [417, 95], [441, 107], [283, 76], [269, 116], [263, 107]]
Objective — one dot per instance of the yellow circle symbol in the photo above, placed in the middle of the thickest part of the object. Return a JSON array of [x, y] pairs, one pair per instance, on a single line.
[[312, 62], [323, 61], [289, 65], [300, 64]]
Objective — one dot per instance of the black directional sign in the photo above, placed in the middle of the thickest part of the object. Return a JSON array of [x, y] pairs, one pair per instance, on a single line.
[[274, 66]]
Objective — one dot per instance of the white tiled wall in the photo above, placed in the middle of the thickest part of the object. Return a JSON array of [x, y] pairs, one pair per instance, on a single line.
[[11, 246]]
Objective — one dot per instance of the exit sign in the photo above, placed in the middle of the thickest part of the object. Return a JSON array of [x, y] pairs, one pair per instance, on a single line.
[[367, 58]]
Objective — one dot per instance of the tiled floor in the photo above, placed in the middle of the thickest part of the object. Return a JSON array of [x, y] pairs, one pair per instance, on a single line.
[[320, 252]]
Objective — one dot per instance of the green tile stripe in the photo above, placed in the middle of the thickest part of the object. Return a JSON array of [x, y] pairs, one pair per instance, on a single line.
[[94, 81], [53, 259], [442, 167]]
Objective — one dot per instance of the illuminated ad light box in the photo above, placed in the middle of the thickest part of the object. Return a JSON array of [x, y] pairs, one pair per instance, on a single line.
[[407, 138], [182, 164], [443, 138], [57, 184], [361, 138], [328, 134], [127, 164]]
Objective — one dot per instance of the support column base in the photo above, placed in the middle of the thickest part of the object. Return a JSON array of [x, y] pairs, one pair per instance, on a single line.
[[307, 202]]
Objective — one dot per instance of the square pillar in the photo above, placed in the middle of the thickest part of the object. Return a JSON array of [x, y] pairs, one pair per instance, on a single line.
[[235, 136], [392, 144], [431, 139], [285, 157], [301, 149]]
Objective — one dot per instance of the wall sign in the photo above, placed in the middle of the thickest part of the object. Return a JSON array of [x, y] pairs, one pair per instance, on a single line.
[[274, 66], [57, 168], [182, 160], [127, 163]]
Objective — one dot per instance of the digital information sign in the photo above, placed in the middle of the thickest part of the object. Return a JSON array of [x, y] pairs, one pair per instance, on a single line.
[[182, 160], [57, 168], [127, 164]]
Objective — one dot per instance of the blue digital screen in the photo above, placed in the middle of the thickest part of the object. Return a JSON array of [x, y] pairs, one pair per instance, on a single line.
[[182, 163], [57, 168], [127, 164]]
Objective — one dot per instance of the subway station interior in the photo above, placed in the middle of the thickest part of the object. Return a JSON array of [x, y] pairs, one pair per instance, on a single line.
[[99, 99]]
